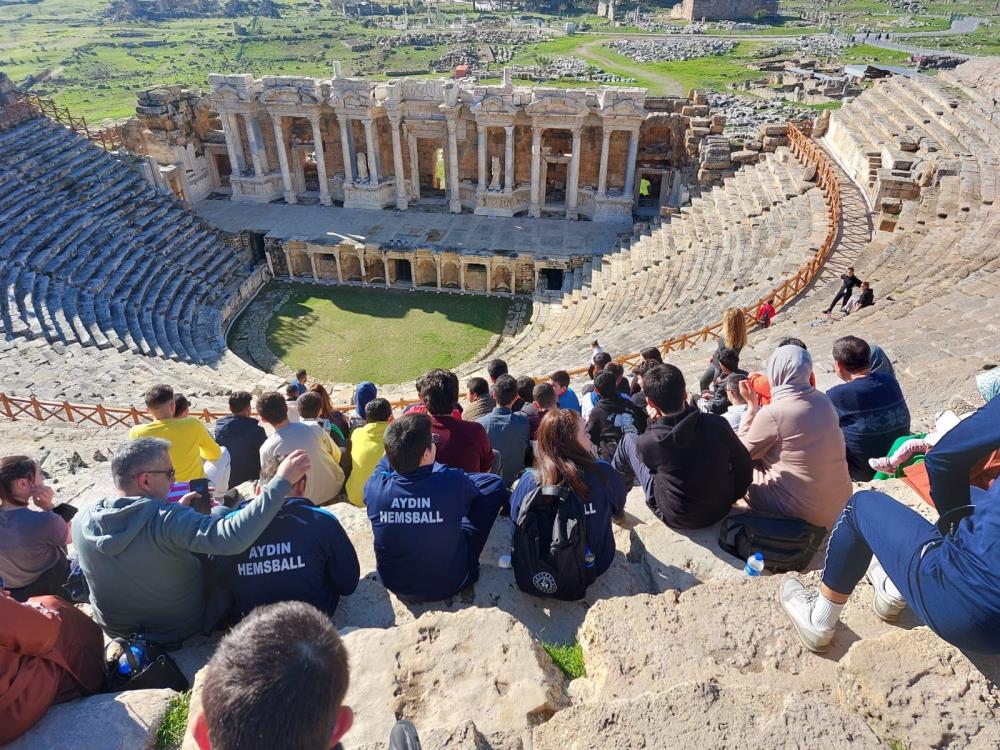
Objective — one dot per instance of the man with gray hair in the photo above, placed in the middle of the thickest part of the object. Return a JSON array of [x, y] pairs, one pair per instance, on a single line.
[[139, 553]]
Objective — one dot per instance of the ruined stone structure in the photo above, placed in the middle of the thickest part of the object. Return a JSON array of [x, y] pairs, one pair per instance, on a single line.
[[715, 10]]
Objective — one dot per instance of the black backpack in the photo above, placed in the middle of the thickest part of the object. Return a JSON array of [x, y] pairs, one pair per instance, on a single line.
[[550, 545], [786, 543]]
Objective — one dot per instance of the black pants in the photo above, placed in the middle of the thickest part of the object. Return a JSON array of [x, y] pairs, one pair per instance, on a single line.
[[49, 583], [845, 294]]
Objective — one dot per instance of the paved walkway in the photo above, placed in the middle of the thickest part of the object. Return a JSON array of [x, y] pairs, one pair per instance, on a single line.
[[552, 238]]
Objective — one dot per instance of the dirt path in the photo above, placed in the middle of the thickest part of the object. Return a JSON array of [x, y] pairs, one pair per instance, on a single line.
[[595, 52]]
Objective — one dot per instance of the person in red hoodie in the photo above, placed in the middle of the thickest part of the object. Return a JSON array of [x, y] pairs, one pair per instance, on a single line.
[[766, 313], [50, 652], [460, 444]]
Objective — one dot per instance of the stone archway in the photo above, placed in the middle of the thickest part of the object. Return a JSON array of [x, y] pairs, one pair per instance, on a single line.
[[501, 279], [425, 273], [374, 269], [475, 277], [350, 266], [300, 263], [450, 278], [326, 266]]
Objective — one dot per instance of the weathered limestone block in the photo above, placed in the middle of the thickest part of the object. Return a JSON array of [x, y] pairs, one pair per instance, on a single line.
[[773, 143], [744, 156], [700, 122], [821, 124], [695, 110], [772, 131], [906, 142], [893, 159], [913, 687], [706, 714], [440, 669]]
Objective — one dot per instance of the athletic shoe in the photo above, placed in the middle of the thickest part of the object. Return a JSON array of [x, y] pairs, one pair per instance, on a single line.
[[887, 606], [404, 736], [883, 464], [798, 602]]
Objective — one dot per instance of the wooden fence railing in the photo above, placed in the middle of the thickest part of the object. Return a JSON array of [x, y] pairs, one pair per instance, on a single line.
[[804, 149], [25, 105]]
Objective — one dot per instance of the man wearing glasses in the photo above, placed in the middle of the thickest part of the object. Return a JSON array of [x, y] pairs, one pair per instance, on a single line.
[[141, 554]]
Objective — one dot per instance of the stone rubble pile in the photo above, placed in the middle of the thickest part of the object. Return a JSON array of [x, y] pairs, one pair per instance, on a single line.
[[574, 67], [492, 37], [815, 45], [643, 51], [743, 113]]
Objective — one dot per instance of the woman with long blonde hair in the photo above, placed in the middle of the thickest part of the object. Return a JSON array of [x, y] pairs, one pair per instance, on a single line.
[[733, 336]]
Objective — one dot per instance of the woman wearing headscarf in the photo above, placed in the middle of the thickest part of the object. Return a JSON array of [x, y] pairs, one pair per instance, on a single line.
[[364, 393], [800, 464]]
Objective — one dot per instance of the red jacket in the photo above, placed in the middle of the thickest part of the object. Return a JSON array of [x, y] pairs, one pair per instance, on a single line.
[[44, 643], [464, 445]]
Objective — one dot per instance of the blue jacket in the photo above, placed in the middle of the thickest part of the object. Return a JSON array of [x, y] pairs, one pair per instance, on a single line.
[[873, 414], [303, 555], [607, 497], [508, 433], [421, 548], [242, 437], [569, 401]]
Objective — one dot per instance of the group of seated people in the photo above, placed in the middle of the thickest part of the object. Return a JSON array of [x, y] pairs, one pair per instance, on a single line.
[[163, 560]]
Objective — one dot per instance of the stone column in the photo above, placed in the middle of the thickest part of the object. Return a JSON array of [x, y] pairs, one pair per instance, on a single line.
[[437, 266], [286, 175], [461, 275], [370, 144], [535, 209], [324, 183], [345, 145], [256, 145], [234, 143], [602, 179], [489, 278], [336, 258], [573, 179], [414, 166], [455, 197], [481, 130], [385, 270], [312, 264], [288, 262], [633, 153], [508, 159], [397, 164]]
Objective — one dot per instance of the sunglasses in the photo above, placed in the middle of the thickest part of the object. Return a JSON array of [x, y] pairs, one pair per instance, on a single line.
[[171, 473]]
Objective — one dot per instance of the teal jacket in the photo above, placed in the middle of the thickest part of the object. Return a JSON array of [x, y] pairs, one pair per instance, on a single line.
[[139, 557]]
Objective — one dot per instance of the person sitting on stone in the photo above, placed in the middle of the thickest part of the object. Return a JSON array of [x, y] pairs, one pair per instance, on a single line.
[[340, 426], [299, 382], [33, 558], [430, 521], [800, 465], [363, 394], [480, 399], [508, 432], [525, 393], [494, 369], [565, 396], [732, 336], [367, 448], [949, 574], [613, 417], [865, 299], [847, 283], [871, 407], [690, 465], [182, 407], [50, 652], [310, 408], [588, 391], [190, 442], [737, 404], [759, 382], [142, 556], [304, 554], [565, 457], [650, 356], [716, 401], [326, 478], [543, 398], [460, 443], [766, 313], [242, 436], [291, 400]]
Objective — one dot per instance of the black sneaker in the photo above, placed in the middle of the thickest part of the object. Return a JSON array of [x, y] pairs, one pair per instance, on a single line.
[[404, 736]]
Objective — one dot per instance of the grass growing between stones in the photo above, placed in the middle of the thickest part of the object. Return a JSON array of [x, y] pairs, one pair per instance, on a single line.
[[347, 334], [170, 733], [568, 657]]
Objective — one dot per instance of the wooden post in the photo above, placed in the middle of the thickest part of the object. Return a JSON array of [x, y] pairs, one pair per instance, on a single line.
[[38, 409], [69, 411], [102, 414], [8, 412]]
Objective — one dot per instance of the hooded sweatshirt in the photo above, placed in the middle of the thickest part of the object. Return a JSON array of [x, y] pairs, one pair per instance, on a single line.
[[139, 557], [699, 467]]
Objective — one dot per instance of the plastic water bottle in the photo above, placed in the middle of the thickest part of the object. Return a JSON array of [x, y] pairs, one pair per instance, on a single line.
[[124, 668], [755, 564], [588, 558], [504, 561]]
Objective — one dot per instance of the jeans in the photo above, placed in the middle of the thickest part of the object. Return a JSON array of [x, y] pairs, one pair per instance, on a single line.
[[911, 550], [484, 511], [628, 463]]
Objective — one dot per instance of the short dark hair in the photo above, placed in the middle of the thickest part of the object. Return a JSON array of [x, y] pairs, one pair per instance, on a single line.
[[406, 440], [653, 353], [300, 373], [158, 395], [544, 395], [291, 392], [729, 358], [239, 400], [309, 404], [601, 359], [495, 368], [606, 384], [852, 353], [180, 403], [437, 390], [615, 369], [271, 407], [792, 341], [561, 377], [277, 679], [13, 468], [525, 388], [505, 390], [478, 386], [378, 410], [664, 386]]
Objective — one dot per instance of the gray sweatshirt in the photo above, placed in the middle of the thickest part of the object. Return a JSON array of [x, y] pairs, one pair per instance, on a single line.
[[138, 555]]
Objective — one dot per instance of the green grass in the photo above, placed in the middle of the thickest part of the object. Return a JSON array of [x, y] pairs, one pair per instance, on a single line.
[[347, 334], [898, 745], [170, 733], [568, 657]]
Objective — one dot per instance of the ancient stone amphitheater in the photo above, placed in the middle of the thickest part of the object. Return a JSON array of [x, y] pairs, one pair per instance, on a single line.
[[111, 285]]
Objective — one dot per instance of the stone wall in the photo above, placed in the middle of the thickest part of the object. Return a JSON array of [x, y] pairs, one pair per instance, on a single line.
[[695, 10]]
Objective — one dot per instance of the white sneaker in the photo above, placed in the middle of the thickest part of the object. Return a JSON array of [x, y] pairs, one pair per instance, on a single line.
[[798, 601], [887, 606]]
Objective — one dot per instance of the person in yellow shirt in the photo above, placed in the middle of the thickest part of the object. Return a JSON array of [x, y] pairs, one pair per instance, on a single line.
[[367, 448], [191, 444]]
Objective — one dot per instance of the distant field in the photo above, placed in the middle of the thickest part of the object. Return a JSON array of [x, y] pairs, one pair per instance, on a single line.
[[347, 334]]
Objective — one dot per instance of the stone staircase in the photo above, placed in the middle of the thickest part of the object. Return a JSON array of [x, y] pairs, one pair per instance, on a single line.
[[104, 275]]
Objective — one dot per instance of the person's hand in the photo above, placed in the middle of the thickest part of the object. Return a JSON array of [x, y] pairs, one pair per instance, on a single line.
[[749, 395], [43, 496], [651, 411], [188, 498], [706, 395], [294, 467]]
